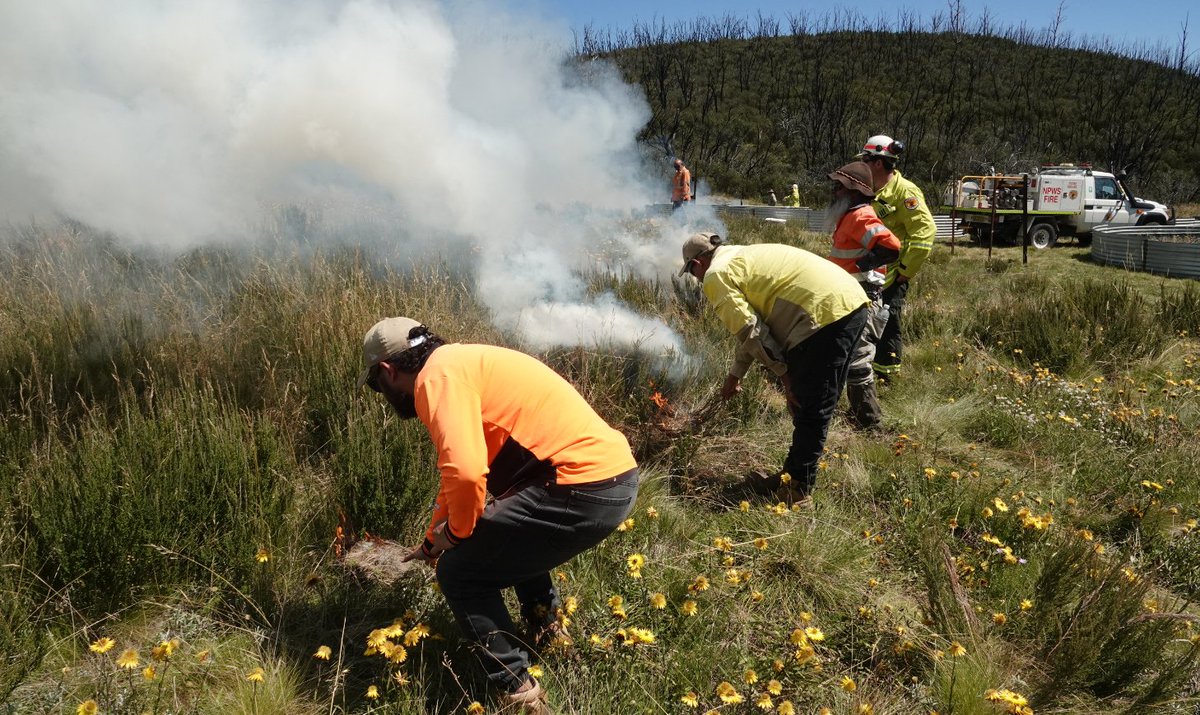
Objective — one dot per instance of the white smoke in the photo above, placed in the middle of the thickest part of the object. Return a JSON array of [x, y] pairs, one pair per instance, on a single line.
[[172, 123]]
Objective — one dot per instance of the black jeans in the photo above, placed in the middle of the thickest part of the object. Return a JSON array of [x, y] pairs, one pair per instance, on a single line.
[[817, 368], [889, 349], [517, 541]]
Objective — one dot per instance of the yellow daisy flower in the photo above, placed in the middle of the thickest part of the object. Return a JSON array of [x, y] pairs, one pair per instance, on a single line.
[[774, 687], [87, 707], [256, 676], [786, 708], [129, 659], [475, 709], [149, 673], [848, 684], [323, 653], [658, 600], [957, 649], [102, 645], [689, 608], [262, 556], [373, 692], [728, 694]]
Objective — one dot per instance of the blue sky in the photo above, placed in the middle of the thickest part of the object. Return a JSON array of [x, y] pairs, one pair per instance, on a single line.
[[1123, 21]]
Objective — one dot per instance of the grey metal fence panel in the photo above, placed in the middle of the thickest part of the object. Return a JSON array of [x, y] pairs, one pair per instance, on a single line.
[[1166, 250]]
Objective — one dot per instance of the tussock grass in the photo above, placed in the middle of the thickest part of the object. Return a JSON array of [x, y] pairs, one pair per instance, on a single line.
[[181, 436]]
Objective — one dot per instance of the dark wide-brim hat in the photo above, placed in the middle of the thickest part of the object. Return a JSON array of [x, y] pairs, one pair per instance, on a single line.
[[855, 176]]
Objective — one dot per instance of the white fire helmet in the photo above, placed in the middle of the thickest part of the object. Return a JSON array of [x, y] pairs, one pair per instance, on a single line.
[[882, 145]]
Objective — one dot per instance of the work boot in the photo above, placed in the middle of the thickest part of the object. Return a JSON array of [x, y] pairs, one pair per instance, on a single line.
[[865, 412], [549, 636], [529, 700]]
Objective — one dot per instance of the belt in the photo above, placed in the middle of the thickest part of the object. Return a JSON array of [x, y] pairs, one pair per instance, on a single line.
[[595, 486]]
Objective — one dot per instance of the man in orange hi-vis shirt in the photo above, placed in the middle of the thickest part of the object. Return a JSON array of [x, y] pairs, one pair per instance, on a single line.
[[562, 480], [681, 185], [863, 246]]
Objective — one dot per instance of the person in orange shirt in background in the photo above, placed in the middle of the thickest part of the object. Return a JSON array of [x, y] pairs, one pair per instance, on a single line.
[[503, 423], [863, 246], [681, 185]]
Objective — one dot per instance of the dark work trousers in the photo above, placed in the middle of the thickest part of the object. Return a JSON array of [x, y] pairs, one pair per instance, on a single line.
[[518, 540], [817, 368], [889, 349]]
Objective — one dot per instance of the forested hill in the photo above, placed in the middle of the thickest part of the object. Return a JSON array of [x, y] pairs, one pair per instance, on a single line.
[[750, 111]]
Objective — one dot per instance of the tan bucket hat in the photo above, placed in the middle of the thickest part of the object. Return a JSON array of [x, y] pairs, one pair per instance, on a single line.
[[697, 245]]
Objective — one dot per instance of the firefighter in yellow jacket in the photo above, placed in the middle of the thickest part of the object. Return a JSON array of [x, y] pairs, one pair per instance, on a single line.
[[902, 208], [801, 317]]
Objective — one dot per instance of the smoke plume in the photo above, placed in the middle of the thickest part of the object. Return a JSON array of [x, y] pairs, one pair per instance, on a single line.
[[174, 123]]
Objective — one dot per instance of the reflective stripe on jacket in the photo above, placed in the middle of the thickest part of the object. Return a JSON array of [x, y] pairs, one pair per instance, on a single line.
[[901, 206], [773, 297], [477, 400], [858, 232]]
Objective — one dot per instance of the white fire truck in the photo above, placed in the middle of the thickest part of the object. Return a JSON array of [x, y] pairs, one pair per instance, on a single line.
[[1057, 200]]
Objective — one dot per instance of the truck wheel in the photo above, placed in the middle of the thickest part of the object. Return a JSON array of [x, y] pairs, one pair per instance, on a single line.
[[1043, 235]]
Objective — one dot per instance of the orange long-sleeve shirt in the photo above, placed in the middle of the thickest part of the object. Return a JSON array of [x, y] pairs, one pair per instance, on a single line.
[[478, 399], [858, 232]]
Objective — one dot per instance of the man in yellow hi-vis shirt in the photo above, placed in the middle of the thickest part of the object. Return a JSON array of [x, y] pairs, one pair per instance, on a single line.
[[801, 317], [902, 208]]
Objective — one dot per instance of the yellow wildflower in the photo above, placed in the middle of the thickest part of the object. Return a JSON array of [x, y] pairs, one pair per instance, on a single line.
[[129, 659], [690, 699], [728, 694], [761, 543], [786, 708], [750, 677], [764, 702], [651, 512], [373, 692], [774, 687], [689, 608], [999, 618], [202, 656], [323, 653], [848, 684], [87, 707], [535, 671], [570, 604], [744, 506], [999, 504], [475, 709], [814, 634], [102, 645], [1026, 604], [149, 673], [256, 676], [957, 649], [658, 600], [700, 583], [626, 525], [262, 556]]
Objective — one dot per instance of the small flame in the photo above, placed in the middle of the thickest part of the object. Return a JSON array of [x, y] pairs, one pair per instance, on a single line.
[[659, 400]]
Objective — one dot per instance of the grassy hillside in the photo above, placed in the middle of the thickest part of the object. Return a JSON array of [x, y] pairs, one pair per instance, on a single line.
[[751, 109], [180, 435]]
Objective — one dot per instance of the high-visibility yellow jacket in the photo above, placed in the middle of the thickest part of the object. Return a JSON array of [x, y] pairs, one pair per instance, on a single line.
[[481, 402], [773, 297], [902, 208], [793, 198]]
